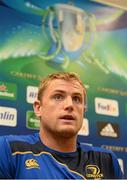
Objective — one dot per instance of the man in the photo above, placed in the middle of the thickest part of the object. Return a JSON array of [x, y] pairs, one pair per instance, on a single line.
[[54, 152]]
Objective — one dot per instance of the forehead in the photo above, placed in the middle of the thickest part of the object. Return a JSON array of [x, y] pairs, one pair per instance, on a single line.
[[63, 85]]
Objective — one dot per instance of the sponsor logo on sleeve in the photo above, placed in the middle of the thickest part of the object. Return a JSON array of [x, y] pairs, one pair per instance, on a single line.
[[106, 107], [8, 116], [31, 95], [8, 91], [108, 129]]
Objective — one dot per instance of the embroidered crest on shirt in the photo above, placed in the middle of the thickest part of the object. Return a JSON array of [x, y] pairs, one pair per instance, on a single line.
[[93, 172], [31, 163]]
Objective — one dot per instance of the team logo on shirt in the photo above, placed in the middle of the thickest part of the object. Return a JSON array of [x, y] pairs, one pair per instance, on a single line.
[[31, 163], [93, 172]]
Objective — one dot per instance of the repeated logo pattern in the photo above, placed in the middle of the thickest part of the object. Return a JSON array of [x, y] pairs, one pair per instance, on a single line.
[[105, 110]]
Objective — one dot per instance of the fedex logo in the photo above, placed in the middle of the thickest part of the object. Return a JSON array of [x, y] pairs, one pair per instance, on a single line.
[[106, 107]]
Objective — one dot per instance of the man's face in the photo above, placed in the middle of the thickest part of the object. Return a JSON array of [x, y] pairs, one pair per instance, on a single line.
[[62, 108]]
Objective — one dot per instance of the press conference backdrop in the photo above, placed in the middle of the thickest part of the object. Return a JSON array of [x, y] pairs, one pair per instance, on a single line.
[[41, 37]]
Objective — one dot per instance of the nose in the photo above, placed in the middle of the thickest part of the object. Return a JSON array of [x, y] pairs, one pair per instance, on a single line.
[[68, 104]]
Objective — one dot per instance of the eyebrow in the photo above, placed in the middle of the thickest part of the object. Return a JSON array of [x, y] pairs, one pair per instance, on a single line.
[[64, 92]]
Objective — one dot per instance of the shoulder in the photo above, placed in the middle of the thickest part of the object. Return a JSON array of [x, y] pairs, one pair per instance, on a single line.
[[7, 140], [98, 152], [106, 158], [87, 148]]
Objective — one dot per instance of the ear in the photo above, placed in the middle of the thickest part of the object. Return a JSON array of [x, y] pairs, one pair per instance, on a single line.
[[37, 108]]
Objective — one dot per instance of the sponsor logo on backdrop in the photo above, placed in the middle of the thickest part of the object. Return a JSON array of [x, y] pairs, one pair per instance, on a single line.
[[106, 107], [85, 128], [115, 148], [108, 129], [32, 121], [8, 91], [8, 116], [121, 164], [32, 92]]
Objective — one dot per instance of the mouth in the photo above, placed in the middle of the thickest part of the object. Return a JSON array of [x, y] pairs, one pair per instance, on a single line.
[[68, 117]]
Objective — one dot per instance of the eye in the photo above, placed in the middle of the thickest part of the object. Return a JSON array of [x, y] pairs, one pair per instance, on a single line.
[[58, 97], [77, 99]]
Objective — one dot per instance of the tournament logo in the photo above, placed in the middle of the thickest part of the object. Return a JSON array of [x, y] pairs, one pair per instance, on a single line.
[[8, 91], [93, 172], [31, 163]]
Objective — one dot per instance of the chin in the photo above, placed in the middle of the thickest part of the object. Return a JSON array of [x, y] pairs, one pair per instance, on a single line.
[[68, 133]]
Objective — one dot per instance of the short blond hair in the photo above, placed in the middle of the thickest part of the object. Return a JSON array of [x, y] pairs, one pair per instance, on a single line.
[[67, 76]]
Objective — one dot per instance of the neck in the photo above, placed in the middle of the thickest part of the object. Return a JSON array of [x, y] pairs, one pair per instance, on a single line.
[[58, 143]]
